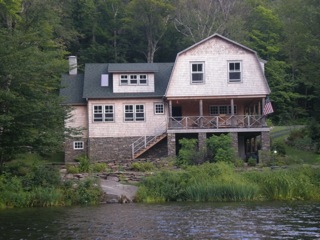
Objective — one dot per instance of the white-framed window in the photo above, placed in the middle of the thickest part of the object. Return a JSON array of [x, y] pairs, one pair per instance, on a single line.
[[108, 113], [221, 109], [234, 71], [124, 79], [197, 72], [134, 79], [78, 145], [134, 112], [98, 113], [103, 113], [143, 79], [158, 108]]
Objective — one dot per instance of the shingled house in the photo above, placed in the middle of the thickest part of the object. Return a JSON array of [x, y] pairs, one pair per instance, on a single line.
[[129, 110]]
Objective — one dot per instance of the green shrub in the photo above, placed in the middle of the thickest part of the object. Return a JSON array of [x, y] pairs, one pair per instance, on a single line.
[[86, 192], [98, 167], [220, 148], [286, 184], [84, 163], [252, 162], [164, 186], [46, 197], [188, 152], [209, 191], [73, 169], [142, 166], [279, 146], [41, 175]]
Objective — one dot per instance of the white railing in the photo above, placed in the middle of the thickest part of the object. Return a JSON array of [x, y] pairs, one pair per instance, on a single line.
[[221, 121], [142, 142]]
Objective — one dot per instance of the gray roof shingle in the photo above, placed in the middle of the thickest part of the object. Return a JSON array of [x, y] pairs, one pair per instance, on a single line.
[[92, 79], [71, 89], [77, 88]]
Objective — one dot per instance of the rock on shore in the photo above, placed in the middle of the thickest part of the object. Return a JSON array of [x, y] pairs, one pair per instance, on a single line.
[[117, 192]]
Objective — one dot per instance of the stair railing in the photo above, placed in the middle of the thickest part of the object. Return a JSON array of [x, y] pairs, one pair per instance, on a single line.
[[142, 142]]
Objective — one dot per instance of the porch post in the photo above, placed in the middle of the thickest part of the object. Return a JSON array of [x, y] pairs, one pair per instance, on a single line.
[[232, 106], [171, 143], [235, 145], [233, 120], [265, 141], [170, 108], [201, 112], [263, 101], [202, 141]]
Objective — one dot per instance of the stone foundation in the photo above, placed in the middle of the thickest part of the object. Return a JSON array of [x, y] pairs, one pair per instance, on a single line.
[[110, 149], [202, 137], [171, 144], [235, 142], [265, 141], [70, 154]]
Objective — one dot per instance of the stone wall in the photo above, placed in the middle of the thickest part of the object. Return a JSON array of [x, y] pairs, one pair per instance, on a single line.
[[70, 154], [160, 150], [110, 149], [235, 142], [171, 144], [265, 141]]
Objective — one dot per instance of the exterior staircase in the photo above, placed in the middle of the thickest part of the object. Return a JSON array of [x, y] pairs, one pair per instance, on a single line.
[[144, 143]]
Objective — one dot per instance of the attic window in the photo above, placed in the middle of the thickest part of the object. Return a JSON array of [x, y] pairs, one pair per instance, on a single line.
[[134, 79], [234, 71], [104, 80], [197, 72]]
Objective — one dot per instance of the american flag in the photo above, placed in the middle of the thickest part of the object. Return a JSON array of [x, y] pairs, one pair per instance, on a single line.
[[267, 107]]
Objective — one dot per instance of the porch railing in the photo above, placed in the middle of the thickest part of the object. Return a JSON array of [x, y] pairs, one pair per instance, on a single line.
[[221, 121]]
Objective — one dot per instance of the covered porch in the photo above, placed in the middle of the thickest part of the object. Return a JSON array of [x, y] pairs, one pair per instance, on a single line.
[[216, 113]]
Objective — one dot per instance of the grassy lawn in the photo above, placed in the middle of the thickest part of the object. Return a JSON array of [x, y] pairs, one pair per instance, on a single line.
[[280, 133]]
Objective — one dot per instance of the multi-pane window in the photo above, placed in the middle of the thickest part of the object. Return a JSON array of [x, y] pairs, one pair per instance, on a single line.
[[223, 109], [124, 79], [98, 113], [134, 79], [143, 79], [103, 113], [197, 72], [134, 113], [159, 108], [234, 71], [108, 113], [78, 145]]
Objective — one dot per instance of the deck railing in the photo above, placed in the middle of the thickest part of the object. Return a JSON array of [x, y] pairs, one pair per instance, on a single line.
[[221, 121]]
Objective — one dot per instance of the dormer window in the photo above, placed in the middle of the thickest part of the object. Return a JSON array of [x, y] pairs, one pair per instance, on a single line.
[[234, 71], [124, 79], [197, 72], [133, 79]]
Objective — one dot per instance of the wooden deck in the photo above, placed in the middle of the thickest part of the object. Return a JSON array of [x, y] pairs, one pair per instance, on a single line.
[[216, 122]]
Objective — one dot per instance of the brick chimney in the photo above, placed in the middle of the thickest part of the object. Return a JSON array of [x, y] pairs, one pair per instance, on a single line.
[[73, 68]]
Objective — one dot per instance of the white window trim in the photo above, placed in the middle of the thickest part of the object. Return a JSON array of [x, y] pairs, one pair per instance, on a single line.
[[124, 79], [241, 72], [76, 143], [155, 108], [134, 113], [203, 73], [228, 108], [103, 113], [128, 83]]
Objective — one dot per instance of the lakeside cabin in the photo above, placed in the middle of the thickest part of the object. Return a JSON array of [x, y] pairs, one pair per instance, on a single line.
[[133, 110]]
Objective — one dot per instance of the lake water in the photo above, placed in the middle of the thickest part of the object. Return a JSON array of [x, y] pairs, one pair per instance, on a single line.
[[271, 220]]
